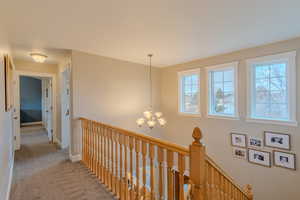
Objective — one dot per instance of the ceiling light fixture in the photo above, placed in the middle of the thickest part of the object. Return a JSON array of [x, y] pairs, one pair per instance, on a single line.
[[38, 57], [151, 118]]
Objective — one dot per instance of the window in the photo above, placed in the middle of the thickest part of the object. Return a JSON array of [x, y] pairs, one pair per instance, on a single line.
[[222, 92], [272, 88], [189, 92]]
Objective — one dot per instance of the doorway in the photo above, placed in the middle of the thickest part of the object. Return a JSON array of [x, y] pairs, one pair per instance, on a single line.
[[30, 101], [34, 103]]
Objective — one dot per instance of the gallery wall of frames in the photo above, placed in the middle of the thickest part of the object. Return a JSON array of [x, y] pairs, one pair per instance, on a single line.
[[274, 149]]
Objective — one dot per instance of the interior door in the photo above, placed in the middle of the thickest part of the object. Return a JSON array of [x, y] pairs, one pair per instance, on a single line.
[[49, 109], [16, 112], [65, 107]]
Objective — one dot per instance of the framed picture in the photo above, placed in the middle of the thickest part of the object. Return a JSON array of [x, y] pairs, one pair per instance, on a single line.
[[239, 140], [240, 153], [277, 140], [8, 77], [262, 158], [285, 160], [254, 142]]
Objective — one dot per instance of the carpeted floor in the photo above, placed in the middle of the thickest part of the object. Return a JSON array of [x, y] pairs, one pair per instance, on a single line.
[[42, 172]]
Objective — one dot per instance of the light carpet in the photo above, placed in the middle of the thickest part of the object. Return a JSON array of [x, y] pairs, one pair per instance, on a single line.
[[43, 172]]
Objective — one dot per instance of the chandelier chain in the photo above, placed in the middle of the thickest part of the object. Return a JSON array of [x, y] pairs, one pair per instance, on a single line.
[[150, 79]]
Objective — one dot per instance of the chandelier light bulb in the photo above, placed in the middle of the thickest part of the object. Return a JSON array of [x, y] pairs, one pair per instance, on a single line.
[[158, 114], [148, 114], [162, 121], [140, 121], [151, 123]]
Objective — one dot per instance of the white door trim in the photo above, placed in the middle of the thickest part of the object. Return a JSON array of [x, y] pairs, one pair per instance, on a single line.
[[65, 123], [19, 73]]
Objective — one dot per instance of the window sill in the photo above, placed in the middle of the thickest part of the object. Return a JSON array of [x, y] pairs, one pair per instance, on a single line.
[[212, 116], [198, 115], [275, 122]]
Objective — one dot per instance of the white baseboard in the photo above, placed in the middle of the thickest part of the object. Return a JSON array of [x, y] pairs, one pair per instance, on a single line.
[[9, 180], [75, 158], [32, 123]]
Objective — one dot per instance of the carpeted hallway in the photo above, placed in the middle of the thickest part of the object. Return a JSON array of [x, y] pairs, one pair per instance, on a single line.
[[42, 172]]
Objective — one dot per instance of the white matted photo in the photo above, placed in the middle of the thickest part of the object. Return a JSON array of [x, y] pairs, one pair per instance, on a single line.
[[285, 160], [240, 153], [239, 140], [262, 158], [277, 140], [255, 142]]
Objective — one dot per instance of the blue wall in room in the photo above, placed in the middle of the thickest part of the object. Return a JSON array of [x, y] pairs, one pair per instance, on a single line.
[[30, 99]]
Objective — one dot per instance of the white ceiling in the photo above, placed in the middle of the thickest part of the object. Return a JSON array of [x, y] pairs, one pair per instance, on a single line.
[[54, 56], [174, 31]]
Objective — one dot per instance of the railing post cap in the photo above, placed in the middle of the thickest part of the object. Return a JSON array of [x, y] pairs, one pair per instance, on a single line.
[[249, 192], [248, 188], [197, 135]]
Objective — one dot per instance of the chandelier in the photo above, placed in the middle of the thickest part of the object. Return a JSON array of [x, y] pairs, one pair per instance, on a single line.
[[151, 118]]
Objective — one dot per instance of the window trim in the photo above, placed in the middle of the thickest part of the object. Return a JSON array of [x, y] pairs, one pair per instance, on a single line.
[[180, 75], [234, 66], [290, 58]]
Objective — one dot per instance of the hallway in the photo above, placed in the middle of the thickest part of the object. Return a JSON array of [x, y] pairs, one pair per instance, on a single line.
[[42, 172]]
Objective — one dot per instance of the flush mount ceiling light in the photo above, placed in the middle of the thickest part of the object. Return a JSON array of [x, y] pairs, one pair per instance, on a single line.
[[38, 57], [151, 118]]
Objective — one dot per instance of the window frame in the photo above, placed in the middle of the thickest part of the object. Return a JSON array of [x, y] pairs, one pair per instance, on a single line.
[[290, 59], [234, 66], [181, 74]]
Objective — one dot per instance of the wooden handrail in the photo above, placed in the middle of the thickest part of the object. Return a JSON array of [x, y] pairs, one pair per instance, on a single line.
[[118, 157], [156, 141]]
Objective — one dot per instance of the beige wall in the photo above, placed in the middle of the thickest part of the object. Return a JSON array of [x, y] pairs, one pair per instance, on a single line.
[[112, 91], [269, 183], [28, 66], [6, 138]]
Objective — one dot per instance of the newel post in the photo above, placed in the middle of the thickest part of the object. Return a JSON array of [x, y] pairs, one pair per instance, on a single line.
[[248, 190], [197, 166]]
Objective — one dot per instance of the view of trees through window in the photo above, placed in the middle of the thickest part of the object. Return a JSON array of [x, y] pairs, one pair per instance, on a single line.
[[270, 91], [190, 86], [222, 92]]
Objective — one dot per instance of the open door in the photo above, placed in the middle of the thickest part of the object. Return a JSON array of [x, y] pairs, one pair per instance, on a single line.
[[16, 112], [49, 110], [65, 108]]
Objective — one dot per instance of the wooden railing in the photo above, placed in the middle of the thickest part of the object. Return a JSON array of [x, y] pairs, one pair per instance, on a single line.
[[136, 166]]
